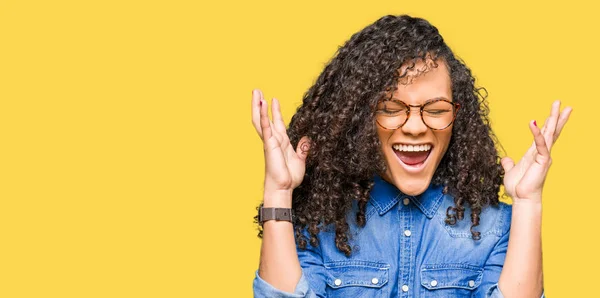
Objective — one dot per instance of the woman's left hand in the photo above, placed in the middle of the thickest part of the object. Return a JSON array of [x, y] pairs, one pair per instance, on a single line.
[[525, 180]]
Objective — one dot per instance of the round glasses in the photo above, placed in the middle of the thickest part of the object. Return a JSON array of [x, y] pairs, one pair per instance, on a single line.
[[437, 114]]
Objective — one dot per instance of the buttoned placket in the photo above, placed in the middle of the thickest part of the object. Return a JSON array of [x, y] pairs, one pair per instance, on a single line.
[[406, 274]]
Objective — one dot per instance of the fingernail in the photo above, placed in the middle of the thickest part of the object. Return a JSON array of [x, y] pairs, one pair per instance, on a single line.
[[534, 123], [261, 103]]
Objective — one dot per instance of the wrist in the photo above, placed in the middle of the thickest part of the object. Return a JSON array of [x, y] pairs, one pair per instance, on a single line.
[[531, 196], [533, 202], [525, 208], [277, 199]]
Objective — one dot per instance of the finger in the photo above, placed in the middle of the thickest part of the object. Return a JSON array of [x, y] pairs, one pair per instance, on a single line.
[[507, 164], [562, 120], [274, 132], [265, 123], [550, 125], [279, 125], [277, 117], [257, 96], [545, 127], [276, 124], [540, 142], [303, 148], [529, 156]]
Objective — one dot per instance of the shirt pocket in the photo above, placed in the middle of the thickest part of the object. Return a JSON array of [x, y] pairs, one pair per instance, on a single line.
[[450, 280], [357, 279]]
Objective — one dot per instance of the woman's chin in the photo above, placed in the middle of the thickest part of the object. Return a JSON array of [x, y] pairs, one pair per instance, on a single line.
[[408, 184], [412, 188]]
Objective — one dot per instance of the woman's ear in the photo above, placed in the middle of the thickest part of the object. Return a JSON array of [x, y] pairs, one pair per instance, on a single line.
[[303, 147]]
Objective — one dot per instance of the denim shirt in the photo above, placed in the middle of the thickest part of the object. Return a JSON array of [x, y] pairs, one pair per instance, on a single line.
[[405, 250]]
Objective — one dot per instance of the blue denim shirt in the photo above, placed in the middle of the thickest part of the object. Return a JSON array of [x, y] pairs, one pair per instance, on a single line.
[[405, 250]]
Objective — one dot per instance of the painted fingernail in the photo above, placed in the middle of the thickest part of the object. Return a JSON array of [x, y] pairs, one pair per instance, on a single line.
[[261, 103], [534, 123]]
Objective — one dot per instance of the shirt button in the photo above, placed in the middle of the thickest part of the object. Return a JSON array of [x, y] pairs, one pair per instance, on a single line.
[[374, 280], [337, 282], [407, 233], [406, 201], [404, 288], [471, 283], [433, 283]]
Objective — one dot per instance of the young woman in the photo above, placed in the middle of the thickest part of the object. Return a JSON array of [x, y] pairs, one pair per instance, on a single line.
[[391, 172]]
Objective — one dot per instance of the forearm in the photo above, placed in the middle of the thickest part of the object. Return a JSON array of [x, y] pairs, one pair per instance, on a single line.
[[522, 274], [279, 265]]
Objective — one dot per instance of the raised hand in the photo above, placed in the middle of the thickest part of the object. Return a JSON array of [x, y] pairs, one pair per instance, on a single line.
[[284, 166], [525, 180]]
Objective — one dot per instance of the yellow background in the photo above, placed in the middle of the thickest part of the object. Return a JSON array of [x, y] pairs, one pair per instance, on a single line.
[[129, 167]]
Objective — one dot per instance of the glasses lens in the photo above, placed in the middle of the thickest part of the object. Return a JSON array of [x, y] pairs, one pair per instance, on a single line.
[[438, 114], [391, 114]]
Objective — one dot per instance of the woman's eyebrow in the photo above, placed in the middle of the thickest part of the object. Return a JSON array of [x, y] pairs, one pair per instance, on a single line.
[[429, 100], [437, 98]]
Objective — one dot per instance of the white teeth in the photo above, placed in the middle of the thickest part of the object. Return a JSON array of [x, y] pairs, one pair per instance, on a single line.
[[412, 148]]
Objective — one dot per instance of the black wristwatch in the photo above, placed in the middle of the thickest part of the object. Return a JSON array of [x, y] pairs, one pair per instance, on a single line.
[[279, 214]]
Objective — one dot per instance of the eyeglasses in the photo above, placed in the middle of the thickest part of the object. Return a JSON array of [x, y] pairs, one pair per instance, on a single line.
[[437, 114]]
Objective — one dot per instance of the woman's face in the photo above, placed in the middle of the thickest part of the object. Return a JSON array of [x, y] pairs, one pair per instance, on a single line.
[[411, 170]]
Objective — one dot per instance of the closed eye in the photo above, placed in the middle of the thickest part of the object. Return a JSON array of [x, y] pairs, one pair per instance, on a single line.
[[437, 112], [389, 111], [390, 108]]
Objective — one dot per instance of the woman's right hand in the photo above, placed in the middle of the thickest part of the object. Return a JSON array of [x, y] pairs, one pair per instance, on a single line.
[[284, 166]]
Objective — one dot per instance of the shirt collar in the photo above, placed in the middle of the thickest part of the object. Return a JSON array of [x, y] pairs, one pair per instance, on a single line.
[[385, 196]]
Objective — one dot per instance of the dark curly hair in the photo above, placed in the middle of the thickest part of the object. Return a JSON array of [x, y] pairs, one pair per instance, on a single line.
[[337, 114]]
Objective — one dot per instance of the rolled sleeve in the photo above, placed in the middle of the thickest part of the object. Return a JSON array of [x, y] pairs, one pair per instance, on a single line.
[[494, 292], [263, 289]]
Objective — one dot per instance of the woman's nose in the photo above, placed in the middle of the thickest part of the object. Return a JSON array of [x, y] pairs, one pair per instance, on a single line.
[[414, 124]]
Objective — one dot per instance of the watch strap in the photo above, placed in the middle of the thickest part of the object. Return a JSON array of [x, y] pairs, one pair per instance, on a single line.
[[278, 214]]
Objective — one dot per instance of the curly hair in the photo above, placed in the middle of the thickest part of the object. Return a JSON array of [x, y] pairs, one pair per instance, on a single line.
[[337, 114]]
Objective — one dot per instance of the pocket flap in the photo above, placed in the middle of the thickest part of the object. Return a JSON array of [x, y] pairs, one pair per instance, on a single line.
[[440, 276], [356, 273]]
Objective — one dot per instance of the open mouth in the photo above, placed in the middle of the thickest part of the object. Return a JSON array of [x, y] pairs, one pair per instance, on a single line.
[[412, 156]]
